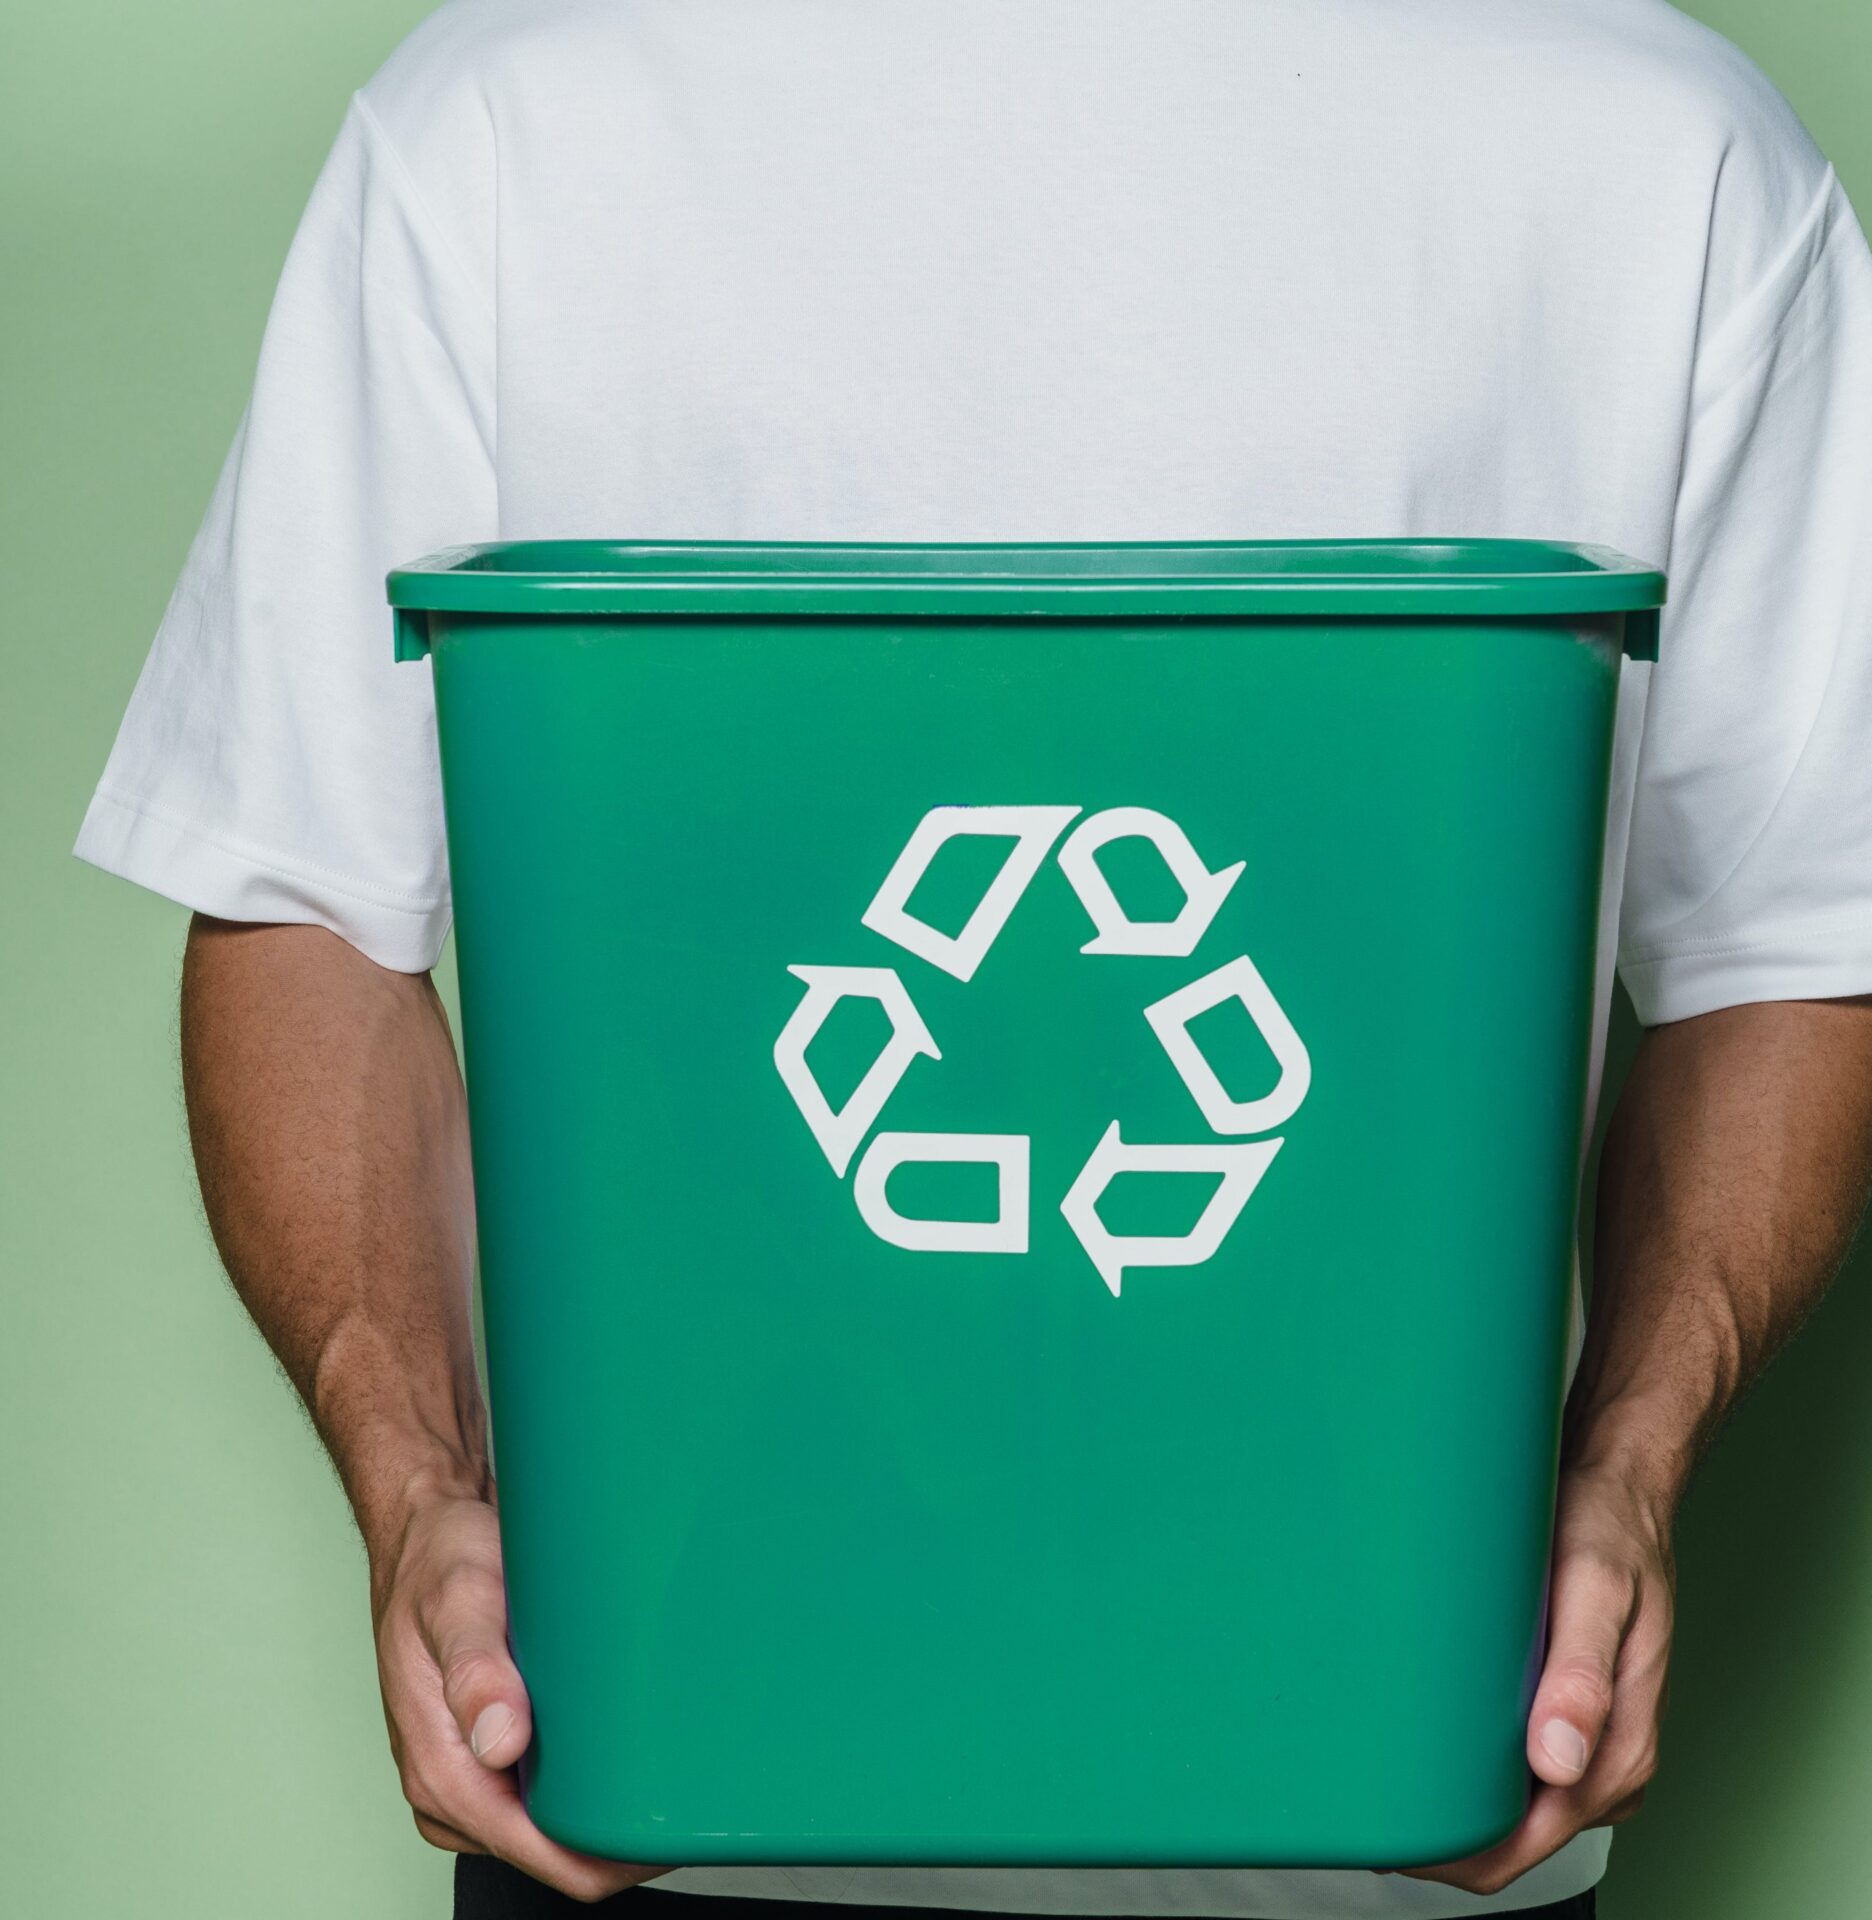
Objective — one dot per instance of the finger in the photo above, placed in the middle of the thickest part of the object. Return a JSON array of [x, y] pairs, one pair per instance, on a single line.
[[465, 1627], [1625, 1758], [1591, 1608], [439, 1834], [455, 1794], [1611, 1791], [1551, 1820], [491, 1810], [453, 1791]]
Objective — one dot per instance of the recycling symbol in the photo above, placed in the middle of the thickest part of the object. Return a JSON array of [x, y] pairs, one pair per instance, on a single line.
[[1237, 1160]]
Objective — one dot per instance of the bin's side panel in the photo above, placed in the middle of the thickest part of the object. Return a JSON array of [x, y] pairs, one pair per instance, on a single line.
[[826, 1548]]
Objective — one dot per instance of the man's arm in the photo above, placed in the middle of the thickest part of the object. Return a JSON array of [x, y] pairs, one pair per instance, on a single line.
[[1734, 1174], [331, 1136]]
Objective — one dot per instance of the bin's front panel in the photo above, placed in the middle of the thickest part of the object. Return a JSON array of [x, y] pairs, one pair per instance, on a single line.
[[1030, 1336]]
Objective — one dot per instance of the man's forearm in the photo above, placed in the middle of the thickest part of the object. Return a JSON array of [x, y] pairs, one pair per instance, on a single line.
[[1734, 1174], [330, 1132]]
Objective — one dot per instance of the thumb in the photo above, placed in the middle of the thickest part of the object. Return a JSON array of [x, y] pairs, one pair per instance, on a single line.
[[480, 1683], [1590, 1611]]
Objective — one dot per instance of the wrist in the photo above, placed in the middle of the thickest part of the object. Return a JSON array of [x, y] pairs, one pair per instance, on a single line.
[[1648, 1451], [1651, 1391], [402, 1437], [396, 1476]]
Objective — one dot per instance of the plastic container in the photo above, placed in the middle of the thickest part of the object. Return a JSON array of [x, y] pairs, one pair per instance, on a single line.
[[1026, 1110]]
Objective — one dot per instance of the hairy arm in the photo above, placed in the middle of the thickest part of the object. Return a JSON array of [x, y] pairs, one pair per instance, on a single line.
[[1734, 1175], [331, 1136]]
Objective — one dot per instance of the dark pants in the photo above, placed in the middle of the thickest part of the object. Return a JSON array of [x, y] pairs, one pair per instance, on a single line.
[[485, 1889]]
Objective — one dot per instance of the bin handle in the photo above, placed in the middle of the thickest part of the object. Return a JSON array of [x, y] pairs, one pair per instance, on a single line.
[[412, 632], [1641, 634]]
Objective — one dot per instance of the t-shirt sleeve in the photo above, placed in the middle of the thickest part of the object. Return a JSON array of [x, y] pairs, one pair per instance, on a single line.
[[275, 763], [1749, 870]]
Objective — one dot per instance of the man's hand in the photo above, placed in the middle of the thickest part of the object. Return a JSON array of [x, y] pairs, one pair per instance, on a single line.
[[458, 1714], [1734, 1174], [1593, 1732], [330, 1132]]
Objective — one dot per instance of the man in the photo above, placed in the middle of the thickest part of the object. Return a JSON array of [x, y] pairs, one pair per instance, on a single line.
[[1038, 269]]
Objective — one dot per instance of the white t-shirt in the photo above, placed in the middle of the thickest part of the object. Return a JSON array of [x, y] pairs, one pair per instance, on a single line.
[[1057, 270]]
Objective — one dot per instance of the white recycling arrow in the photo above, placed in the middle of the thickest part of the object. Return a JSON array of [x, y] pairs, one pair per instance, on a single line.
[[1033, 829], [838, 1133], [1203, 891], [1005, 1233], [1239, 980], [1241, 1168]]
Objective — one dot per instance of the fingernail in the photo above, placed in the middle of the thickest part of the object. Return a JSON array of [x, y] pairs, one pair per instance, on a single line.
[[489, 1725], [1565, 1745]]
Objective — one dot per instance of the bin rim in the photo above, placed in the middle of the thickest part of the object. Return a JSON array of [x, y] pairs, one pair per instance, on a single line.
[[901, 579]]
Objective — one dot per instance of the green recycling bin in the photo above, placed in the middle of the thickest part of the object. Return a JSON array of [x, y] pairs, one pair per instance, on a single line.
[[1027, 1105]]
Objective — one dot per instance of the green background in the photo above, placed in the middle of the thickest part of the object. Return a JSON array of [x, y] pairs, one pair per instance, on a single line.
[[188, 1713]]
